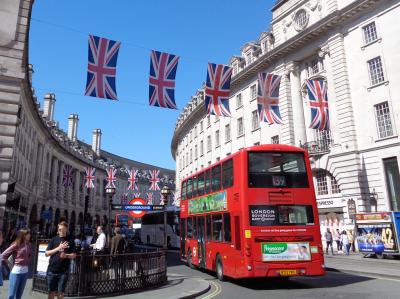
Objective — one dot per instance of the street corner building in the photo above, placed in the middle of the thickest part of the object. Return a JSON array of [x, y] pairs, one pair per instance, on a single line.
[[42, 168], [337, 61]]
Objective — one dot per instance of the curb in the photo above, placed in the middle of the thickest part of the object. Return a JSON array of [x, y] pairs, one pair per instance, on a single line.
[[195, 294], [361, 273]]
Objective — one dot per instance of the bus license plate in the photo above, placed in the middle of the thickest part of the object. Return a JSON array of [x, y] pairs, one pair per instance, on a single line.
[[287, 272]]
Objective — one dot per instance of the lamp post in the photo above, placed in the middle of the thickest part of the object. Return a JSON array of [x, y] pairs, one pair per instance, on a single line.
[[165, 192], [110, 191]]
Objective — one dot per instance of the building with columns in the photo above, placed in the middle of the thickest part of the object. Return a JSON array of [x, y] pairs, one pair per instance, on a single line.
[[34, 150], [352, 46]]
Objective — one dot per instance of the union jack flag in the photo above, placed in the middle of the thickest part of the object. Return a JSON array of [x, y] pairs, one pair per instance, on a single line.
[[89, 177], [67, 175], [154, 180], [217, 89], [111, 177], [149, 198], [124, 199], [318, 94], [136, 194], [133, 179], [268, 98], [102, 68], [162, 79]]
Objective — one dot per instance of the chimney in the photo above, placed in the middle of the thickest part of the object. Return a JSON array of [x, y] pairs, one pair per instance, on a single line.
[[30, 71], [96, 141], [73, 126], [48, 110]]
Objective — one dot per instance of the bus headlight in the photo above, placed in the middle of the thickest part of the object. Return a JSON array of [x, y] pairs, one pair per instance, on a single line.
[[314, 249], [249, 268]]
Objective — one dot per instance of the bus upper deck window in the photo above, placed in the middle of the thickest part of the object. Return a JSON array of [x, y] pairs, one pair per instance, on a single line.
[[216, 178]]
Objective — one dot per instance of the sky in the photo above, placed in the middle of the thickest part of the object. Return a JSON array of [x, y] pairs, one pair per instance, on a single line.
[[199, 32]]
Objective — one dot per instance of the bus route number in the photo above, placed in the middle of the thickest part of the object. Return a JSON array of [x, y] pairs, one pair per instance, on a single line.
[[278, 181]]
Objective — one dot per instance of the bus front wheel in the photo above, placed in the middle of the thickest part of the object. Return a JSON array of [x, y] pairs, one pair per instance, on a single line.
[[190, 259], [219, 268]]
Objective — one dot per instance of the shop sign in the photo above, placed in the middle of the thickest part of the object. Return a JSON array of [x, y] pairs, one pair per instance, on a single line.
[[351, 207], [373, 217], [329, 203]]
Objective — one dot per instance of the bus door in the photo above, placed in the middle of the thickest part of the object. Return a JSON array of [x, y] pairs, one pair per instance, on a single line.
[[201, 242], [183, 238]]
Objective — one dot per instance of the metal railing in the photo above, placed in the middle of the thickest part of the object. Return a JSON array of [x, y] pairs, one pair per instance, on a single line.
[[96, 274], [317, 147]]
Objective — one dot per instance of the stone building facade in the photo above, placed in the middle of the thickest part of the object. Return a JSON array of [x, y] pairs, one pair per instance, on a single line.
[[34, 150], [352, 45]]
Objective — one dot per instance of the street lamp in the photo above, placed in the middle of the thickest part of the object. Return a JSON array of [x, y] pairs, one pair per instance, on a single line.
[[165, 192], [110, 191]]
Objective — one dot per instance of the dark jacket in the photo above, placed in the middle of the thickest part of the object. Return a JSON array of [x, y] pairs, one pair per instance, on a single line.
[[117, 244]]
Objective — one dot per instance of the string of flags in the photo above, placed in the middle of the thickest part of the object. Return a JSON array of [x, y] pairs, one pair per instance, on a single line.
[[102, 71]]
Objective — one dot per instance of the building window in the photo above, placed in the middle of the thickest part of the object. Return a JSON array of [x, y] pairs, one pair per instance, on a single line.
[[322, 184], [195, 131], [249, 58], [255, 122], [191, 136], [217, 138], [187, 159], [369, 33], [191, 156], [301, 19], [235, 68], [253, 92], [201, 148], [334, 185], [275, 139], [392, 178], [201, 126], [208, 121], [383, 120], [239, 102], [208, 143], [240, 128], [195, 152], [376, 71], [227, 133]]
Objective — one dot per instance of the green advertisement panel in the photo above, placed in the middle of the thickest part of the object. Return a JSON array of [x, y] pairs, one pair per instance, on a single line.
[[210, 203], [285, 251]]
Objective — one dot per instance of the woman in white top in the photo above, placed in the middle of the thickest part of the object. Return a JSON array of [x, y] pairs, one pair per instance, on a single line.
[[344, 239]]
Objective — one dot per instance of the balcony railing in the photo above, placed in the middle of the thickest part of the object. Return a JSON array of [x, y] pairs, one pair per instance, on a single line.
[[319, 147]]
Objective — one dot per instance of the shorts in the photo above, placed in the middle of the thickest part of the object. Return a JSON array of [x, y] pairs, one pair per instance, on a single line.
[[56, 282]]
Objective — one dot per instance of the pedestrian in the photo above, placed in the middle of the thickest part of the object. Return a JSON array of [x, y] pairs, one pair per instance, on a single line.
[[336, 238], [118, 245], [351, 240], [117, 242], [21, 250], [328, 239], [344, 239], [1, 261], [61, 250], [101, 240]]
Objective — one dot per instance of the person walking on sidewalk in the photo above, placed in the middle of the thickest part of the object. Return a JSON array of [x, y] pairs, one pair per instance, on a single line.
[[336, 238], [101, 240], [329, 240], [22, 252], [61, 250], [351, 240], [344, 239]]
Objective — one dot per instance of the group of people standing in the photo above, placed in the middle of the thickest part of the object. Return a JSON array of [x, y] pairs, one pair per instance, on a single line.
[[344, 241], [61, 250]]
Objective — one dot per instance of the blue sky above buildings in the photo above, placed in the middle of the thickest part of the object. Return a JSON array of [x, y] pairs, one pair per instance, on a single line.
[[198, 31]]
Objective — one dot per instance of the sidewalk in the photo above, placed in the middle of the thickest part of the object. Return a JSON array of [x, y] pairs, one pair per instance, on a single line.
[[356, 264], [177, 287]]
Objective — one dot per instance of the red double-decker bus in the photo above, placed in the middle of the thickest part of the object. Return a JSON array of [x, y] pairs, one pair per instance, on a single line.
[[253, 214]]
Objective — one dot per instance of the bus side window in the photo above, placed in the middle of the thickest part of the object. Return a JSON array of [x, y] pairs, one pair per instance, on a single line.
[[200, 184], [183, 228], [216, 178], [195, 220], [208, 227], [189, 188], [227, 174], [189, 228], [194, 187], [237, 233], [208, 181], [217, 227], [227, 228], [183, 191]]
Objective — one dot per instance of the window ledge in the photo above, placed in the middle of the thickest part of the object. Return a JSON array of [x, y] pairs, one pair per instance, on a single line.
[[218, 146], [226, 142], [241, 135], [253, 99], [386, 138], [241, 106], [254, 130], [378, 40], [378, 84]]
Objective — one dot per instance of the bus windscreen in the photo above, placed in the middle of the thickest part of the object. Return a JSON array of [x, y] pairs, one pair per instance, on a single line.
[[277, 170]]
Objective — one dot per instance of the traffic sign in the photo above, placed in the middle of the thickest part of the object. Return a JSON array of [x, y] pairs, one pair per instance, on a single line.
[[138, 202]]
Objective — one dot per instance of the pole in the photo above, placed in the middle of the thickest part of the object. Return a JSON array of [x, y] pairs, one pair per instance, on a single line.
[[109, 220], [165, 226]]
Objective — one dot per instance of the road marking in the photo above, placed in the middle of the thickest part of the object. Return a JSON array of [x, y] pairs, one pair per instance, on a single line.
[[216, 292]]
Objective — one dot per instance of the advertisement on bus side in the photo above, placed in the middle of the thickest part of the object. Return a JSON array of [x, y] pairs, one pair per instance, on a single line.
[[210, 203], [285, 251]]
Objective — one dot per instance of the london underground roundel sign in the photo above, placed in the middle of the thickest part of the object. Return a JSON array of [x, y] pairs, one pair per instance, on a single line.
[[137, 201]]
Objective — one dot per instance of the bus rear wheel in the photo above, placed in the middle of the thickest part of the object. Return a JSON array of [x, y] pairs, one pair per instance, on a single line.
[[219, 268]]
